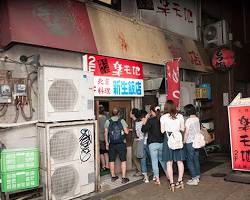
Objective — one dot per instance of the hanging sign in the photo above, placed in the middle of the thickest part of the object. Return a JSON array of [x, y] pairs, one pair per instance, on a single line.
[[115, 77], [239, 124], [223, 59], [173, 81]]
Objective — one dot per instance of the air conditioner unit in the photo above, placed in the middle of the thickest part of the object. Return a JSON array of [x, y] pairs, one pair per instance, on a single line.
[[216, 34], [188, 93], [67, 159], [65, 94]]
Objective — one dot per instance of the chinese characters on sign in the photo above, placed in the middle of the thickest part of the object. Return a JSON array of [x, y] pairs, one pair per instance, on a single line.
[[166, 7], [115, 77], [240, 137]]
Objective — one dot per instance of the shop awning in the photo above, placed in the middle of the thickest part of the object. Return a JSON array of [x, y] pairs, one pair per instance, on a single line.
[[121, 37], [61, 24], [192, 53]]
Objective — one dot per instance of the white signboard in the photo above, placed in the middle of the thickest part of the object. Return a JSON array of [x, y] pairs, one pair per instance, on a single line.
[[178, 16]]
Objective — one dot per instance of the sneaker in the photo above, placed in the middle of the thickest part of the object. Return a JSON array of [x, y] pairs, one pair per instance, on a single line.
[[137, 174], [145, 179], [154, 178], [198, 178], [113, 179], [192, 182], [125, 180]]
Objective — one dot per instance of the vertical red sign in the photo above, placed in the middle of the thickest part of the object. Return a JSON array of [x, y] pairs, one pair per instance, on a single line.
[[173, 81], [239, 122]]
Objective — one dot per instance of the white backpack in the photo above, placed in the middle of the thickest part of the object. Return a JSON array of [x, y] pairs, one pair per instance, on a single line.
[[175, 140], [199, 140]]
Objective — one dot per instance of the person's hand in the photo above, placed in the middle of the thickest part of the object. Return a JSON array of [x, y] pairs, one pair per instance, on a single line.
[[107, 146], [148, 116], [144, 120]]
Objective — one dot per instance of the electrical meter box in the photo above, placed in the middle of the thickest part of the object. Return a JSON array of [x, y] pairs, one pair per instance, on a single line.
[[20, 90], [5, 93]]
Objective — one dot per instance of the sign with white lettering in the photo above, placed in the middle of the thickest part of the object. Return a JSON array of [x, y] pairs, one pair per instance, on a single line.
[[115, 77]]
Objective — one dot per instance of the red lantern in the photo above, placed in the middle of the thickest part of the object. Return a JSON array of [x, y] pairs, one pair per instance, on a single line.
[[223, 59]]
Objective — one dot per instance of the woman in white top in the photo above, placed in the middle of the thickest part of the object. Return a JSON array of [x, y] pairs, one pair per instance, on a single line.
[[192, 127], [170, 123]]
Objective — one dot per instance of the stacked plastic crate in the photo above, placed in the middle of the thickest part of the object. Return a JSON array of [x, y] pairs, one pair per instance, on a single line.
[[19, 169]]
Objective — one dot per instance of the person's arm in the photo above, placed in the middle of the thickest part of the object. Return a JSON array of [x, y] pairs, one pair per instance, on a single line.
[[125, 126], [186, 132], [106, 134], [106, 138], [162, 125], [145, 125]]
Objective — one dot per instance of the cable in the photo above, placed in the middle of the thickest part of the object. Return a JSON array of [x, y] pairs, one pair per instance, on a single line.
[[17, 114], [4, 110]]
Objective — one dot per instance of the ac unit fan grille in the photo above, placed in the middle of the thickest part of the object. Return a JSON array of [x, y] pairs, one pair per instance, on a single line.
[[63, 95], [64, 181], [63, 145], [210, 33]]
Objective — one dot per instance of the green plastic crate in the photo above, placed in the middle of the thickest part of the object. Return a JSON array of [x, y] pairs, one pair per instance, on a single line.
[[19, 159], [20, 180]]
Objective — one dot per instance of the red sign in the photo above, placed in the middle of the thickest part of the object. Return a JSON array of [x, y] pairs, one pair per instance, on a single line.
[[61, 24], [173, 81], [239, 122], [223, 59], [113, 67], [115, 77]]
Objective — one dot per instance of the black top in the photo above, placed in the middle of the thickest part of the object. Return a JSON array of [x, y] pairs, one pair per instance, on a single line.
[[152, 127]]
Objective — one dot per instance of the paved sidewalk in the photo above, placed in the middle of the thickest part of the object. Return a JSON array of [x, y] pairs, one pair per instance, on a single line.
[[210, 188]]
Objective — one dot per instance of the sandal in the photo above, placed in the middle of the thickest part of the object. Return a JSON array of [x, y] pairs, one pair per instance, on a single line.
[[171, 187], [179, 184]]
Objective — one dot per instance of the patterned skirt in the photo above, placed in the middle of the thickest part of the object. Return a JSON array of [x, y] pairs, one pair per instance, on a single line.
[[171, 155]]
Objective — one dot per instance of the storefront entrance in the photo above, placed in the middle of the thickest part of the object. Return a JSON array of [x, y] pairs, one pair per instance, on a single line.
[[125, 105]]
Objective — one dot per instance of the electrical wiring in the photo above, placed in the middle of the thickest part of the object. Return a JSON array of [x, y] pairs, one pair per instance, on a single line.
[[29, 98], [4, 110]]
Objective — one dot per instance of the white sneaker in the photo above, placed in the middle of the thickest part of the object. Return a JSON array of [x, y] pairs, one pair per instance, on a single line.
[[198, 178], [145, 179], [193, 182], [154, 178]]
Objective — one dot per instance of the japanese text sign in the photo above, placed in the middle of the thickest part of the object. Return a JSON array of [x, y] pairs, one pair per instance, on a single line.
[[174, 15], [115, 77], [173, 81], [239, 122]]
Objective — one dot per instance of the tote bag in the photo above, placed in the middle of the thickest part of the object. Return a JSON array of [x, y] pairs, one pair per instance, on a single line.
[[175, 140], [199, 140]]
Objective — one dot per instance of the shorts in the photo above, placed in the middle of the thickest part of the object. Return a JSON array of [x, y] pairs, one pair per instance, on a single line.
[[120, 149], [103, 149]]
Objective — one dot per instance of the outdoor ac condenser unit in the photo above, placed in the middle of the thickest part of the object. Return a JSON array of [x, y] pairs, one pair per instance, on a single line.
[[67, 159], [216, 34], [65, 94]]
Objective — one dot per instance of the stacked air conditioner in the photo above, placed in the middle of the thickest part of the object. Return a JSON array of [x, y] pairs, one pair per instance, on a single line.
[[66, 98]]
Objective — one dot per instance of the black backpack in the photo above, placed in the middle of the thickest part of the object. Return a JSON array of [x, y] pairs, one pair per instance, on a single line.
[[115, 132]]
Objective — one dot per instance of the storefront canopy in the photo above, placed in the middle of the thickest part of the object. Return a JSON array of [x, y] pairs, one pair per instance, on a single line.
[[60, 24], [122, 37]]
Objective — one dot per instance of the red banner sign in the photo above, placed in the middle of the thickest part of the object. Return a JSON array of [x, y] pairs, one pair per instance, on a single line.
[[239, 122], [173, 81], [113, 67]]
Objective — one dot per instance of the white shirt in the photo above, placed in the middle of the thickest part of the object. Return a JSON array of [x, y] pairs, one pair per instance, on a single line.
[[139, 133], [192, 126], [169, 124]]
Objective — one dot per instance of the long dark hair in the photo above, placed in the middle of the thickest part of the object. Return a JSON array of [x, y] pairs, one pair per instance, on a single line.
[[171, 108], [157, 112], [190, 110]]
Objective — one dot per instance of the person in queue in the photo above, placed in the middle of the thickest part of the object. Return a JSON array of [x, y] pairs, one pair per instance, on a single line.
[[172, 122]]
